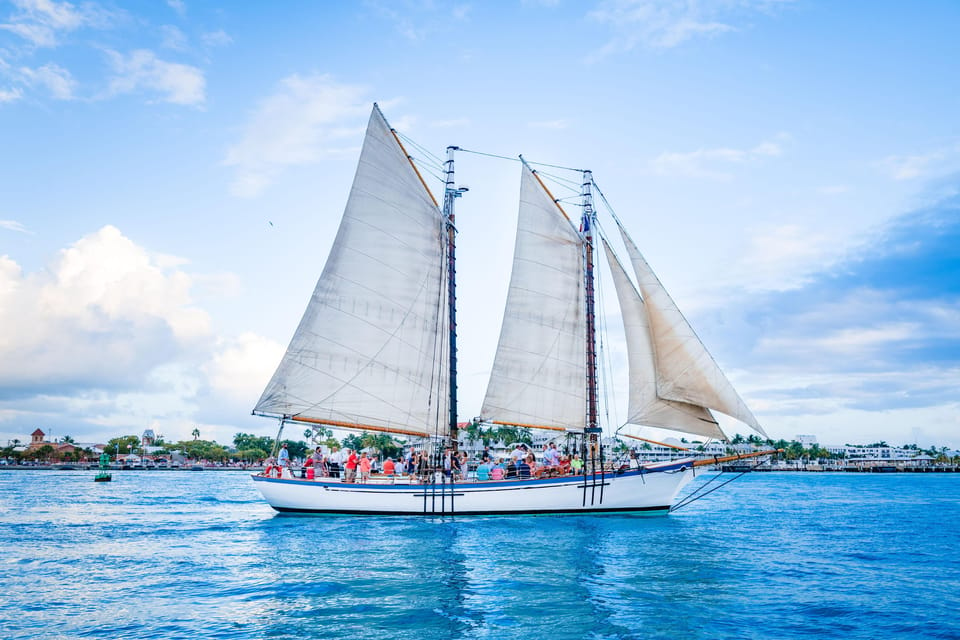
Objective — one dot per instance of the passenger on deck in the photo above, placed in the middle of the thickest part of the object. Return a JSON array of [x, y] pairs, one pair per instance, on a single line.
[[423, 466], [365, 464], [511, 469], [576, 464], [496, 473], [389, 469], [335, 462], [483, 471], [319, 464], [351, 466], [551, 456], [524, 470]]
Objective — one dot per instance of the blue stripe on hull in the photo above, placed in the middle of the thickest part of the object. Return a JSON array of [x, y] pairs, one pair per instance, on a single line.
[[647, 511]]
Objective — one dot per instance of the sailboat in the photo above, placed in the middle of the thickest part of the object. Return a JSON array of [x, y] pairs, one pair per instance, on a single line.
[[376, 351]]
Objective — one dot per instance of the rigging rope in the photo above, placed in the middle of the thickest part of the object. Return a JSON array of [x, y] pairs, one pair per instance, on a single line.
[[700, 493]]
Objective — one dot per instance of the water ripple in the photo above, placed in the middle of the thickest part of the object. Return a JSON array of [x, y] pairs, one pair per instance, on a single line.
[[199, 555]]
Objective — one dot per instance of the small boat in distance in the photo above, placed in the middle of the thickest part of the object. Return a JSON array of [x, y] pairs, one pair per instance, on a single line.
[[376, 351]]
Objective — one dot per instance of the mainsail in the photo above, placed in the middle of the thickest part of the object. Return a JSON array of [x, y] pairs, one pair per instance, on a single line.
[[685, 371], [645, 406], [539, 369], [370, 351]]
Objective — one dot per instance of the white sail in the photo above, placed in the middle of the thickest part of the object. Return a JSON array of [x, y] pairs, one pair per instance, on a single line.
[[685, 371], [370, 349], [539, 372], [645, 407]]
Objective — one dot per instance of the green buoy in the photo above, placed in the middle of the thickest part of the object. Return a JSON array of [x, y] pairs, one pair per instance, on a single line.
[[102, 475]]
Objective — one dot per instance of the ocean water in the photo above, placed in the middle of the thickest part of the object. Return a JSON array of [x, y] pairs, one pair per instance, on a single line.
[[199, 555]]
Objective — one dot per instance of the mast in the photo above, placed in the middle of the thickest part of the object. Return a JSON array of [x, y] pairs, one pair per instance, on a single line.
[[587, 222], [450, 194]]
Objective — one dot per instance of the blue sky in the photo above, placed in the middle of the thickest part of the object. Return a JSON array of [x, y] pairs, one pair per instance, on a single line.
[[172, 175]]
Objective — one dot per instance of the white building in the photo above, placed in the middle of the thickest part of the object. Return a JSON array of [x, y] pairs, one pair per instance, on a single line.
[[806, 441]]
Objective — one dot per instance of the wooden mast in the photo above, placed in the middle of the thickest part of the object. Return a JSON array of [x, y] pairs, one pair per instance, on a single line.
[[587, 222], [450, 194]]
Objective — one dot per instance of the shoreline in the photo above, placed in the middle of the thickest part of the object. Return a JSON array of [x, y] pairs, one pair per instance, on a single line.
[[723, 468]]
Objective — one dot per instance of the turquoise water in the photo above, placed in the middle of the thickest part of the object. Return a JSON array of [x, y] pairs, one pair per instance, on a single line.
[[198, 555]]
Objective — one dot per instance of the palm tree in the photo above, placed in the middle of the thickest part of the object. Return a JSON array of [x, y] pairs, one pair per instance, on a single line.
[[195, 433]]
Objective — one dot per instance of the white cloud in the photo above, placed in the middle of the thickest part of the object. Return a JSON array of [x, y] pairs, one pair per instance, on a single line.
[[41, 21], [784, 258], [53, 78], [910, 167], [663, 24], [103, 313], [845, 342], [10, 95], [713, 163], [178, 6], [172, 38], [298, 123], [13, 225], [106, 340], [240, 368], [219, 38], [142, 70]]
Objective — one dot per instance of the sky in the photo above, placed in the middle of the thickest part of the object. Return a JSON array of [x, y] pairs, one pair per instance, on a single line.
[[172, 174]]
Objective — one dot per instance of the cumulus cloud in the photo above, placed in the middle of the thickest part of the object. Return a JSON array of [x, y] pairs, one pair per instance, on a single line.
[[107, 339], [240, 368], [104, 313], [873, 333], [143, 70], [306, 117]]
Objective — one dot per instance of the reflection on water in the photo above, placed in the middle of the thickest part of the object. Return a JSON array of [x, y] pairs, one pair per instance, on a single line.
[[180, 554]]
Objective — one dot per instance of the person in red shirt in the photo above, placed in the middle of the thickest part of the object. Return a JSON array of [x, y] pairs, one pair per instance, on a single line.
[[389, 469], [365, 464], [351, 466]]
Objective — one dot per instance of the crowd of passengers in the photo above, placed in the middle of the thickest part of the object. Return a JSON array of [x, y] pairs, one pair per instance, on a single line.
[[418, 466]]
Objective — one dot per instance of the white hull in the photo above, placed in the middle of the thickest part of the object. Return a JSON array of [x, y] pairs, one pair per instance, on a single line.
[[651, 490]]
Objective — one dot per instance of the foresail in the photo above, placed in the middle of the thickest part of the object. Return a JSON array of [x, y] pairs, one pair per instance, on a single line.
[[645, 407], [370, 349], [539, 370], [685, 371]]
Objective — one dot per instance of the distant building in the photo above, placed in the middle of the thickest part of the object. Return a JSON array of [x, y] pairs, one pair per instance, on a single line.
[[37, 439], [807, 441], [859, 453]]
